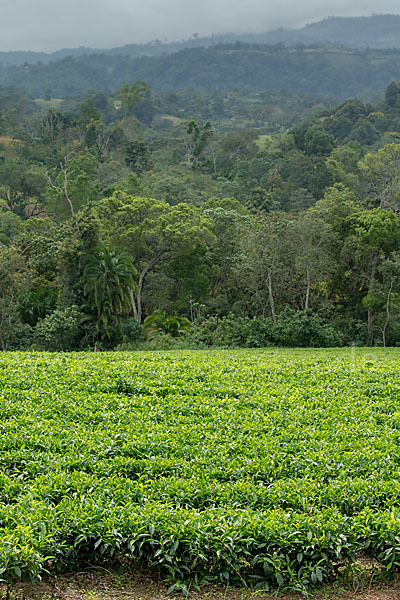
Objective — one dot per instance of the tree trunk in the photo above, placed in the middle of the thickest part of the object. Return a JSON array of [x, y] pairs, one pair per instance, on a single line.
[[370, 287], [370, 328], [271, 296], [387, 314], [137, 302], [308, 289], [64, 189], [133, 301]]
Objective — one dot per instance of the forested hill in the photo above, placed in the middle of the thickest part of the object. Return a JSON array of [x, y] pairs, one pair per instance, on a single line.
[[376, 31], [342, 72]]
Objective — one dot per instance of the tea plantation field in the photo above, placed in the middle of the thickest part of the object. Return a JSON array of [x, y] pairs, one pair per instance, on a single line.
[[249, 467]]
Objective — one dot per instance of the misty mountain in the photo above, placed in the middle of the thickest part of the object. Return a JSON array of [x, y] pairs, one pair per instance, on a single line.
[[377, 31]]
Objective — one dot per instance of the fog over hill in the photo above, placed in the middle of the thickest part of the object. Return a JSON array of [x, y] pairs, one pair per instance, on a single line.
[[377, 31]]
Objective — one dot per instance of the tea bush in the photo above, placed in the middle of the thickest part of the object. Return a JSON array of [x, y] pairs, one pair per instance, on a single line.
[[258, 467]]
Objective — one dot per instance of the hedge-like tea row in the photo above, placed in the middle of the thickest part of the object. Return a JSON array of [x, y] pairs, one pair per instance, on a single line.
[[259, 467]]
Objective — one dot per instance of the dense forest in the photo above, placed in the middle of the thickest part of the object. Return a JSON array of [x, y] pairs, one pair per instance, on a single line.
[[196, 218], [250, 68]]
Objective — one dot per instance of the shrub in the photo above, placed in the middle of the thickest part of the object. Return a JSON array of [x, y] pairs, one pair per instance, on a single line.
[[130, 330], [293, 329], [304, 329], [232, 331], [58, 331], [14, 335]]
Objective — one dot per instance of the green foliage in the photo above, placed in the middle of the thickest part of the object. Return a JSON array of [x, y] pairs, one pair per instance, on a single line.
[[59, 330], [317, 141], [10, 225], [148, 226], [136, 155], [233, 331], [160, 322], [392, 93], [72, 185], [21, 187], [109, 279], [14, 334], [197, 139], [212, 466], [89, 122], [36, 302], [341, 72], [275, 215], [130, 95], [292, 329], [381, 171], [130, 330], [304, 329]]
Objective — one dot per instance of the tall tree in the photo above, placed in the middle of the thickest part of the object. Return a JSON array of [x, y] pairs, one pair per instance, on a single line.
[[265, 266], [312, 237], [196, 140], [130, 95], [72, 185], [375, 235], [381, 173], [151, 232], [13, 279], [108, 277], [21, 188]]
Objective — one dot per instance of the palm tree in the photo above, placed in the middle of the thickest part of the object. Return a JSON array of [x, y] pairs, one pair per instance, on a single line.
[[170, 325], [108, 277]]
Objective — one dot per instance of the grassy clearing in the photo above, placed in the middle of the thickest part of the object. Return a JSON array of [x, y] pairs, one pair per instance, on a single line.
[[7, 141], [253, 468], [174, 120], [262, 140], [54, 103]]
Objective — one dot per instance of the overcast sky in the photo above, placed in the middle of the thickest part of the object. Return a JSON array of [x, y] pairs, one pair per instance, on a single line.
[[54, 24]]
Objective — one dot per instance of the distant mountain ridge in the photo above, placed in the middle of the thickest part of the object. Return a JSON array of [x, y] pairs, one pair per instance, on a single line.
[[339, 71], [376, 31]]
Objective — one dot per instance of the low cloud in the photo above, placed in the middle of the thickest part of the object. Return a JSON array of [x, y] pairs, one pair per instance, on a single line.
[[51, 24]]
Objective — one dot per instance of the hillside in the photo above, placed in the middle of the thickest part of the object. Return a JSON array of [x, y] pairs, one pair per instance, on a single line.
[[376, 31], [340, 72]]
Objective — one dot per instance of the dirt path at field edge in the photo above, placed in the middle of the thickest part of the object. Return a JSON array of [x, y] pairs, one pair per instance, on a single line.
[[108, 586]]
